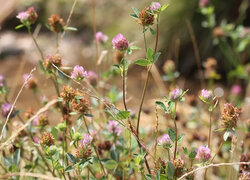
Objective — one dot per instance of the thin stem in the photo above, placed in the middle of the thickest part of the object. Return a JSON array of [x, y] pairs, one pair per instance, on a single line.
[[124, 85], [176, 132], [57, 42], [142, 100], [37, 46], [144, 38], [168, 154], [210, 128], [157, 35]]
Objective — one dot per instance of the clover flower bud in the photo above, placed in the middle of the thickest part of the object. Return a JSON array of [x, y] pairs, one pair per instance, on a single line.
[[206, 96], [203, 154], [155, 6], [79, 73], [120, 43], [101, 38], [175, 94], [164, 140], [6, 107], [114, 128]]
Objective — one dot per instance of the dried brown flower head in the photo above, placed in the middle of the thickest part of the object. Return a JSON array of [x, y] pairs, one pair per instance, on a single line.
[[230, 116], [47, 139], [56, 23], [145, 18]]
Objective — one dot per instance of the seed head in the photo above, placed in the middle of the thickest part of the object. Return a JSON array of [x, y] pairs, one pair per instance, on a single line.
[[47, 139], [145, 18], [230, 116], [56, 23]]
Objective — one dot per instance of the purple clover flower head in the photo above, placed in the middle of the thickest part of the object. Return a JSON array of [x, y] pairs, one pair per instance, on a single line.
[[2, 81], [236, 89], [164, 140], [36, 139], [204, 3], [203, 154], [120, 43], [206, 95], [155, 6], [6, 107], [23, 16], [86, 140], [93, 133], [79, 73], [101, 38], [35, 122], [114, 128], [175, 94]]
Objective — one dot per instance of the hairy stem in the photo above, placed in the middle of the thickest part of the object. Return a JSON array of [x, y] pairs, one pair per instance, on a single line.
[[176, 132], [210, 128], [37, 46], [124, 85]]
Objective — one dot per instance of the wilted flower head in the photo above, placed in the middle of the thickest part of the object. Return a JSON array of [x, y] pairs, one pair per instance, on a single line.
[[41, 120], [83, 152], [230, 116], [79, 73], [80, 103], [56, 23], [236, 89], [2, 81], [204, 3], [206, 96], [92, 78], [28, 17], [145, 18], [155, 6], [47, 139], [203, 154], [86, 140], [175, 94], [114, 128], [49, 60], [120, 43], [6, 107], [164, 140], [101, 38], [179, 167], [68, 93]]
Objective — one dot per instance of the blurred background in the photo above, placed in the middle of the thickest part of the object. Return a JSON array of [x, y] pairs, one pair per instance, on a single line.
[[188, 37]]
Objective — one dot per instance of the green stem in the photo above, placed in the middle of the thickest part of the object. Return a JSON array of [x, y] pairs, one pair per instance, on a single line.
[[37, 46], [124, 85], [210, 129], [176, 132], [144, 38], [168, 154]]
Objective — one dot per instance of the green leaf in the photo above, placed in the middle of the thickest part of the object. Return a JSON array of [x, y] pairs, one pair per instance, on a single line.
[[170, 170], [114, 154], [71, 158], [152, 31], [16, 158], [134, 16], [122, 115], [19, 26], [162, 106], [164, 7], [88, 115], [70, 28], [144, 30], [134, 47], [136, 11], [192, 153], [110, 164], [156, 56], [185, 150], [180, 137], [54, 132], [142, 62], [69, 169], [150, 54], [226, 135], [171, 134]]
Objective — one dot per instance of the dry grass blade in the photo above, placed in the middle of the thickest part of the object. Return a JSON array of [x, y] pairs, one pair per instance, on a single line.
[[12, 107], [45, 108], [213, 165], [36, 175]]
